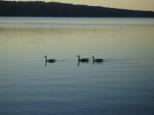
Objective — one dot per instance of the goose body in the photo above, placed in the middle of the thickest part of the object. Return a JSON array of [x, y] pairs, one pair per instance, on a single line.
[[82, 59], [97, 60], [49, 60]]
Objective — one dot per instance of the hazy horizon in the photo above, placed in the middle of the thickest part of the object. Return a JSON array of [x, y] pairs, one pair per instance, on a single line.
[[127, 4]]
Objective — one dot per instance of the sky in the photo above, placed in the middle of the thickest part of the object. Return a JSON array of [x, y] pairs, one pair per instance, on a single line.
[[126, 4]]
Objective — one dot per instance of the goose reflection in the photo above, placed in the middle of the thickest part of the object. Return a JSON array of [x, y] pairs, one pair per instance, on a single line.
[[79, 62]]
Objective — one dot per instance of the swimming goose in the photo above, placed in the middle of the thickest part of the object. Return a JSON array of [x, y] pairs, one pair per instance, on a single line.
[[49, 60], [97, 60], [82, 59]]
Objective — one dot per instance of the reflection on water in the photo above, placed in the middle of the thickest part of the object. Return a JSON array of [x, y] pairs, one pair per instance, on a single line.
[[121, 84], [67, 43]]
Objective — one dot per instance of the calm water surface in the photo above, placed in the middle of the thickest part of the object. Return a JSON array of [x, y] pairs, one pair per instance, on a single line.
[[122, 84]]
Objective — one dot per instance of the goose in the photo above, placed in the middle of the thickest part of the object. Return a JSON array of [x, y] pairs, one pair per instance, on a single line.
[[82, 59], [49, 60], [97, 60]]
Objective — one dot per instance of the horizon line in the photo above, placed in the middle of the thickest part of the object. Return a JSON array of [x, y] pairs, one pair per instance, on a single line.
[[77, 4]]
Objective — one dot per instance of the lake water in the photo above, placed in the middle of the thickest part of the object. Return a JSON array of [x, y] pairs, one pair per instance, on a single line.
[[122, 85]]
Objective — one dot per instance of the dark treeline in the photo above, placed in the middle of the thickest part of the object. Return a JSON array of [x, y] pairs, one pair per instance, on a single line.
[[54, 9]]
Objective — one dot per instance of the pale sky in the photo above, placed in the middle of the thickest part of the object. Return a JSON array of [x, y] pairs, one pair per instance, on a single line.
[[126, 4]]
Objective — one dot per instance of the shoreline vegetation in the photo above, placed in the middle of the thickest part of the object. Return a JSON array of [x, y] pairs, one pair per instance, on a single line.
[[56, 9]]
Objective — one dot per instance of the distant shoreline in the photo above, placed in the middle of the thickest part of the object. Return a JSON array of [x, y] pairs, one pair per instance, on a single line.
[[70, 17], [55, 9]]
